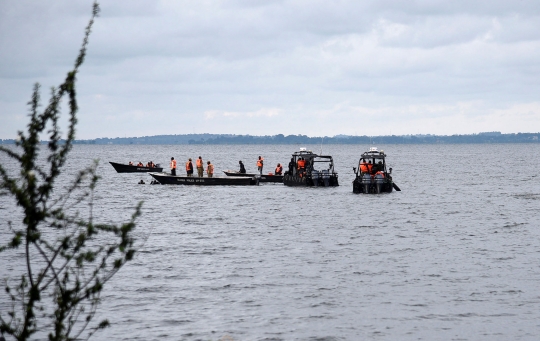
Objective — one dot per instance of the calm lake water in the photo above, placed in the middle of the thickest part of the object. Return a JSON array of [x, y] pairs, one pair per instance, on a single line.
[[454, 256]]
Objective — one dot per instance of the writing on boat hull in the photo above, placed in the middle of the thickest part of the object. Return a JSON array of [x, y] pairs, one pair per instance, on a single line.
[[190, 180]]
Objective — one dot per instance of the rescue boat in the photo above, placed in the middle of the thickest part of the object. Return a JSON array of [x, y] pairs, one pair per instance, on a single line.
[[121, 168], [310, 170], [372, 175]]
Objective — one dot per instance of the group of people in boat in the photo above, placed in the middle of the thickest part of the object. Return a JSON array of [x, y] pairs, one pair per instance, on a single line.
[[260, 166], [300, 165], [199, 163], [150, 164], [370, 168], [200, 167]]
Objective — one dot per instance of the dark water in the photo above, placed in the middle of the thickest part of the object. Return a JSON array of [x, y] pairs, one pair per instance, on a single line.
[[454, 256]]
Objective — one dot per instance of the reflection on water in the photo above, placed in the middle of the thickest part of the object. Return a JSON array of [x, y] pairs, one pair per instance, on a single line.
[[452, 256]]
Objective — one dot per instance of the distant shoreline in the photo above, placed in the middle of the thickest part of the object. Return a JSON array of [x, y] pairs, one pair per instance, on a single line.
[[228, 139]]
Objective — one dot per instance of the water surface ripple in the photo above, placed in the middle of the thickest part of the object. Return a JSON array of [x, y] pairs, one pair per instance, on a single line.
[[454, 256]]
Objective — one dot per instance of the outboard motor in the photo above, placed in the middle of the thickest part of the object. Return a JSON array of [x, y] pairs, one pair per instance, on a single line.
[[326, 177], [379, 180], [315, 177], [366, 182]]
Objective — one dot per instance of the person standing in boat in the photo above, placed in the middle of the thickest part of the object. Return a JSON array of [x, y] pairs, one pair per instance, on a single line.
[[301, 166], [279, 169], [291, 166], [364, 167], [242, 168], [260, 164], [200, 167], [173, 166], [189, 168], [370, 167], [210, 169]]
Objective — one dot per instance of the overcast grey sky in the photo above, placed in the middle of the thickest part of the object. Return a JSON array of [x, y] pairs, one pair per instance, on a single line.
[[268, 67]]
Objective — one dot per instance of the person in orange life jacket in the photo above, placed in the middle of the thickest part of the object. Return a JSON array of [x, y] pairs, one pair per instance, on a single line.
[[140, 164], [242, 168], [380, 172], [210, 169], [370, 167], [363, 166], [279, 169], [173, 166], [260, 164], [189, 168], [301, 166], [200, 167]]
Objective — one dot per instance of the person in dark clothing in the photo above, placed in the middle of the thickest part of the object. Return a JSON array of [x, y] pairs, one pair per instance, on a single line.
[[242, 168], [291, 166]]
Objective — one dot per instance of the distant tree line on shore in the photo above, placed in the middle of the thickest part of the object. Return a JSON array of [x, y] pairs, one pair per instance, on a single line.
[[487, 137]]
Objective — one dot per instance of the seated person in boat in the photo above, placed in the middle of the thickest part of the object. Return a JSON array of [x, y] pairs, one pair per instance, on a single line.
[[130, 163], [279, 169], [140, 164], [378, 167], [242, 168]]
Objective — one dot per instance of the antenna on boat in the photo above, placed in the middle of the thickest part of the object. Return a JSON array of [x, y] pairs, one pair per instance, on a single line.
[[322, 139]]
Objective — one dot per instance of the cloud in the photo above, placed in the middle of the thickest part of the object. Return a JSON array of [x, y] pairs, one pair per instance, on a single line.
[[278, 67], [266, 112]]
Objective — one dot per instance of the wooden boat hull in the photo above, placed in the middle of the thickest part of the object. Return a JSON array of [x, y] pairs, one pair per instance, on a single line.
[[121, 168], [167, 179], [262, 178]]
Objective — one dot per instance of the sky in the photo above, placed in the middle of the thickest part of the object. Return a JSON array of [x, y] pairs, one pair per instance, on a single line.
[[260, 67]]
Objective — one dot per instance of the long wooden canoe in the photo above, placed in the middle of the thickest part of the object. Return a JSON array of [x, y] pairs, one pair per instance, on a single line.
[[167, 179], [120, 168], [262, 178]]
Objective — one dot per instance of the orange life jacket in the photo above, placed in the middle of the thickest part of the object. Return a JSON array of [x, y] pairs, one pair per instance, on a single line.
[[188, 167], [381, 173], [279, 170], [173, 164], [370, 167], [199, 163], [301, 164], [140, 164], [364, 167], [260, 162], [210, 169]]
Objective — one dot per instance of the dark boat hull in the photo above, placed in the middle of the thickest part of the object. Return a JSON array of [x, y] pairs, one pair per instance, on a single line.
[[386, 187], [293, 180], [166, 179], [120, 168], [262, 178]]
